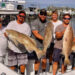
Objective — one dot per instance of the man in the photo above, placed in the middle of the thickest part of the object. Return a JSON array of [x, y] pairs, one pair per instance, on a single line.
[[56, 22], [18, 59], [38, 28], [3, 43], [59, 31]]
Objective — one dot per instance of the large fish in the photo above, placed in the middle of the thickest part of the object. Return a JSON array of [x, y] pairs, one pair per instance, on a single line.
[[24, 40], [47, 36], [67, 43]]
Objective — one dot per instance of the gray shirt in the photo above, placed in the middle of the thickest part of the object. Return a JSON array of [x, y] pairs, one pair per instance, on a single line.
[[38, 25], [59, 43]]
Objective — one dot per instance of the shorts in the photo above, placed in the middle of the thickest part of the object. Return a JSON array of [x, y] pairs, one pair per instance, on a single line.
[[72, 56], [72, 59], [16, 58], [50, 50], [32, 56], [57, 55]]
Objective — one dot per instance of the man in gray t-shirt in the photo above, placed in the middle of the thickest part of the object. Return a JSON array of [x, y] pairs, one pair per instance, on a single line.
[[59, 31], [38, 28], [58, 42]]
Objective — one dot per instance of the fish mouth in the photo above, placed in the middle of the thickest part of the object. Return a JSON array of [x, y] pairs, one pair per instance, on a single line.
[[7, 32]]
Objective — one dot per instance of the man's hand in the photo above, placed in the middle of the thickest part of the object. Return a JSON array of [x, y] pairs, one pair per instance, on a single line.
[[63, 32], [5, 34], [37, 35], [60, 34], [74, 39]]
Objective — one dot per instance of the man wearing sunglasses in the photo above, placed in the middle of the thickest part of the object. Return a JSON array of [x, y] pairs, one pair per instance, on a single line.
[[16, 59], [59, 31], [38, 28]]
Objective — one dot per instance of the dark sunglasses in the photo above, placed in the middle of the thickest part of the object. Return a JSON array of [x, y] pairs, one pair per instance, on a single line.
[[43, 14], [67, 18], [21, 16]]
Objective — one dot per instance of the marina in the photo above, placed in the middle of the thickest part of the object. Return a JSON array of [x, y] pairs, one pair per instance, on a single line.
[[8, 11]]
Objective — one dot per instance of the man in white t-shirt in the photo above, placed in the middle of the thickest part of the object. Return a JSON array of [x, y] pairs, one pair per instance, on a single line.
[[3, 43], [16, 58], [56, 22]]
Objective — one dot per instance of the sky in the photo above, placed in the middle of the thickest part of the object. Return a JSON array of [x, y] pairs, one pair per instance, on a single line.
[[45, 3]]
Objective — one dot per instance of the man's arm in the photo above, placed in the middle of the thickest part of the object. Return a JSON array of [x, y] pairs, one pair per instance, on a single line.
[[37, 35], [59, 34], [74, 39]]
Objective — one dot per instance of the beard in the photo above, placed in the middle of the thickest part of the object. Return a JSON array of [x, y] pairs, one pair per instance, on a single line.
[[67, 23], [21, 21]]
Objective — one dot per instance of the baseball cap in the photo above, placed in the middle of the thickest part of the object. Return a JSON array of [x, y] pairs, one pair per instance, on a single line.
[[43, 12]]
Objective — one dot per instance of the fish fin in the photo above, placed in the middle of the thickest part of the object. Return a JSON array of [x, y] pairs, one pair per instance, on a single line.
[[13, 41], [67, 61], [21, 47], [24, 48], [17, 44], [73, 46]]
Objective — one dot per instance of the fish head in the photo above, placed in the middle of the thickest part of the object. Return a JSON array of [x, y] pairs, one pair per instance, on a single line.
[[10, 33]]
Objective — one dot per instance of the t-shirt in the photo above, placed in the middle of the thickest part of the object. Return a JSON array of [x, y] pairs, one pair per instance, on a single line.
[[3, 43], [59, 43], [22, 28], [38, 25], [57, 23]]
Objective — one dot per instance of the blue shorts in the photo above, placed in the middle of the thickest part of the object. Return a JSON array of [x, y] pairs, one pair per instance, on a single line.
[[72, 59], [50, 51], [57, 55], [32, 56]]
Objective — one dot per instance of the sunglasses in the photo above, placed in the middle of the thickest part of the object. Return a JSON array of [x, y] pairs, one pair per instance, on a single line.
[[43, 14], [67, 18], [21, 16]]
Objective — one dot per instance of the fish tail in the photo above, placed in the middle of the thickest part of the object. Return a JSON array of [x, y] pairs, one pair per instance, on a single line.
[[44, 50], [40, 54], [67, 61]]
